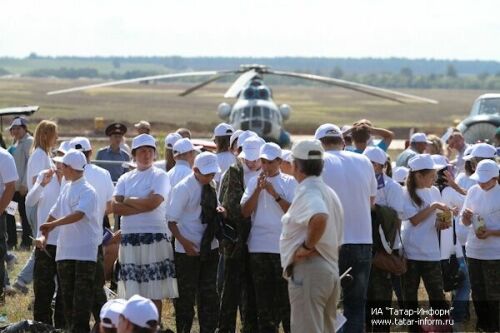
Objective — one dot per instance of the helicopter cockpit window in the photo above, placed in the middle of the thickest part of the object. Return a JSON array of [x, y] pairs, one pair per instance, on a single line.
[[246, 113], [489, 106], [256, 112], [267, 114]]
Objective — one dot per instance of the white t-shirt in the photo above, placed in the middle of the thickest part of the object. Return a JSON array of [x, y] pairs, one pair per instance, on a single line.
[[312, 197], [391, 195], [180, 171], [420, 241], [160, 165], [225, 159], [249, 174], [352, 178], [100, 179], [140, 184], [45, 198], [38, 162], [184, 208], [266, 219], [8, 171], [79, 240], [487, 205], [452, 199], [464, 181]]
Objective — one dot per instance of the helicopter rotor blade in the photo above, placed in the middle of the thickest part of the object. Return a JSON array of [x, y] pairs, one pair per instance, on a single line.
[[139, 79], [240, 82], [363, 88], [204, 83]]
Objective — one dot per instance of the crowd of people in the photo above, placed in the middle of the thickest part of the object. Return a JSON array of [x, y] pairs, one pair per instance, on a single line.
[[254, 228]]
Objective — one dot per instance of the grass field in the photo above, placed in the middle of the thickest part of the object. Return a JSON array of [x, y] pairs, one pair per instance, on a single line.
[[159, 104]]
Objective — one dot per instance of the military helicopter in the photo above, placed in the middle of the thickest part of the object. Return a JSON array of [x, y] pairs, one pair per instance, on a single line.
[[483, 120], [255, 109]]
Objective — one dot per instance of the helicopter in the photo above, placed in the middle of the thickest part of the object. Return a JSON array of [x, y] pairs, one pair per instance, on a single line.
[[483, 120], [255, 109]]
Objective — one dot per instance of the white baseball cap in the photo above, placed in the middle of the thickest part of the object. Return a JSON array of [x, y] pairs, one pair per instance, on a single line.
[[19, 121], [251, 148], [80, 143], [223, 129], [244, 136], [207, 163], [375, 154], [73, 158], [328, 130], [419, 138], [112, 310], [400, 174], [171, 139], [485, 171], [234, 136], [308, 150], [183, 146], [64, 146], [140, 310], [143, 140], [423, 162], [481, 150], [270, 151], [286, 155], [440, 160]]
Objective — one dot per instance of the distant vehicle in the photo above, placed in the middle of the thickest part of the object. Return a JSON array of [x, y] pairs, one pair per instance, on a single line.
[[255, 109], [483, 120]]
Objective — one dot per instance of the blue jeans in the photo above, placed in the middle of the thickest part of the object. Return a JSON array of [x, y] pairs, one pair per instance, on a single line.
[[461, 295], [359, 257], [26, 274]]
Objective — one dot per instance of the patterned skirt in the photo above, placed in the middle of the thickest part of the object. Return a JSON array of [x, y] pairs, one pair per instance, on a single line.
[[147, 267]]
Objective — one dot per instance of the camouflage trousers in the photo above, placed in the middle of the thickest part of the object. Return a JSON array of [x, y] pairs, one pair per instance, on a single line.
[[271, 292], [430, 272], [237, 291], [44, 285], [196, 281], [379, 296], [100, 296], [485, 284], [78, 290]]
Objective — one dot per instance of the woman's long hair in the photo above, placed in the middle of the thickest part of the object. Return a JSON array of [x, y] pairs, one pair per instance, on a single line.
[[411, 185], [45, 133], [169, 159]]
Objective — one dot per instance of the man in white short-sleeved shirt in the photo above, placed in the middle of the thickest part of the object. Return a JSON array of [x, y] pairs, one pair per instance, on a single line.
[[222, 136], [194, 275], [80, 231], [184, 153], [8, 178], [266, 199], [352, 178]]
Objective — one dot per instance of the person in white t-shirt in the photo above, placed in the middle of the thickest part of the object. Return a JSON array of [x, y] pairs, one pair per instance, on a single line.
[[389, 197], [309, 244], [352, 178], [196, 252], [169, 161], [184, 153], [222, 136], [146, 255], [420, 234], [44, 195], [481, 214], [100, 179], [74, 214], [266, 199], [8, 178]]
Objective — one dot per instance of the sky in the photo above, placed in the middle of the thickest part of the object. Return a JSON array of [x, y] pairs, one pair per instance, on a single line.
[[441, 29]]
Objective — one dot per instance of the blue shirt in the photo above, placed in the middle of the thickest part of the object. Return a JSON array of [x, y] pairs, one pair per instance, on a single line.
[[381, 144], [107, 154]]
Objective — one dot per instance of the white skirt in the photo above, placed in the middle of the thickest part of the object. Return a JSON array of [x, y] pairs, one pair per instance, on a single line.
[[147, 267]]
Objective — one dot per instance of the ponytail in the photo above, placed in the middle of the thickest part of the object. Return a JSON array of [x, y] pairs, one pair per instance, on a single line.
[[411, 185]]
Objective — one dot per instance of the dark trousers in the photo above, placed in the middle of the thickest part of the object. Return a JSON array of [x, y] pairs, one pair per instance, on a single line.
[[237, 291], [430, 272], [3, 253], [99, 296], [379, 297], [271, 292], [196, 281], [77, 286], [44, 286], [27, 232], [485, 284]]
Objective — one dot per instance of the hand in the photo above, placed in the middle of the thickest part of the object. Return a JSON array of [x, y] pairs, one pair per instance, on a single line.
[[47, 176], [265, 185], [467, 216], [441, 225], [23, 190], [47, 227], [455, 210], [190, 248], [40, 242], [440, 206], [222, 210], [482, 233], [302, 253]]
